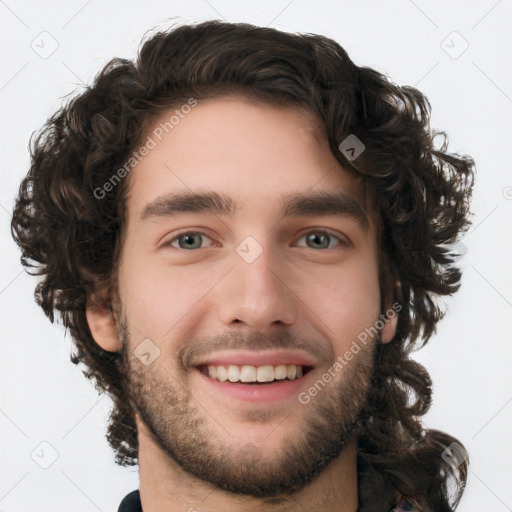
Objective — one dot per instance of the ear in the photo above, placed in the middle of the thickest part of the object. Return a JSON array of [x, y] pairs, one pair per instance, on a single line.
[[390, 318], [102, 322]]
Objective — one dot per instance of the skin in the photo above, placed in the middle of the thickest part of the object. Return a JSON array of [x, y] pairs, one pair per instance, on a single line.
[[191, 300]]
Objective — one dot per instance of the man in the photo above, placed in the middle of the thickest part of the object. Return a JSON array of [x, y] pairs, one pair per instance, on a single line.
[[245, 234]]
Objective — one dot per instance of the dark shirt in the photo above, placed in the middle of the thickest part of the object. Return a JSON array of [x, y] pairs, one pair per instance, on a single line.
[[131, 503]]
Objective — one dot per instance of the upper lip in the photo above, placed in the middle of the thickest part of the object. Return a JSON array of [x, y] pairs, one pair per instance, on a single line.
[[256, 358]]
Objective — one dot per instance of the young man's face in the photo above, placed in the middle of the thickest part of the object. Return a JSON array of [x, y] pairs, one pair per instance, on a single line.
[[270, 284]]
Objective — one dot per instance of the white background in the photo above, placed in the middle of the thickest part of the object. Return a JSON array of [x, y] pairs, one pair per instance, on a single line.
[[46, 398]]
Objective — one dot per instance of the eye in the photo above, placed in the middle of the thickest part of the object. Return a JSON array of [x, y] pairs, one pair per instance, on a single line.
[[192, 240], [322, 240], [406, 504], [188, 240]]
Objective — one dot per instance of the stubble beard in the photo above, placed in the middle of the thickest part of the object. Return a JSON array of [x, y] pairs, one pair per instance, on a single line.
[[179, 425]]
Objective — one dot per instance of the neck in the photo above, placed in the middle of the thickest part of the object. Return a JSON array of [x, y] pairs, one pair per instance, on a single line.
[[164, 485]]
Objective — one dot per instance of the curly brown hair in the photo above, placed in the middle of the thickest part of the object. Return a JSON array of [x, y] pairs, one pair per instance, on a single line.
[[420, 192]]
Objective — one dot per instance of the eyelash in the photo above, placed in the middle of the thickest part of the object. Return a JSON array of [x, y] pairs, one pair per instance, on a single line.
[[342, 242]]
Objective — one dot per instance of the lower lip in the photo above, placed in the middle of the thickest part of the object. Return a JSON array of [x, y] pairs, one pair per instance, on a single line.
[[260, 393]]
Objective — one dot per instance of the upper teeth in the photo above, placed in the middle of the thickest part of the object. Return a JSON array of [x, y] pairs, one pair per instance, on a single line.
[[248, 373]]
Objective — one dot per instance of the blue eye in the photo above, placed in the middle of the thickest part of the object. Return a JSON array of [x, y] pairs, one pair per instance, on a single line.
[[193, 240], [406, 504], [322, 239], [190, 240]]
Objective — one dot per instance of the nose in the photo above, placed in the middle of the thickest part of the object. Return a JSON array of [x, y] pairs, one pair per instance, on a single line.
[[258, 293]]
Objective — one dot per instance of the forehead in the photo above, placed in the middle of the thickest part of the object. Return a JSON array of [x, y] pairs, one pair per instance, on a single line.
[[255, 153]]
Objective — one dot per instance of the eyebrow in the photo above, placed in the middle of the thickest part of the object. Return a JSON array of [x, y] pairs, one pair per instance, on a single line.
[[309, 204]]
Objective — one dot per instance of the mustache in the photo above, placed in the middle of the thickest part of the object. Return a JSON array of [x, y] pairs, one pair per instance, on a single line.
[[197, 348]]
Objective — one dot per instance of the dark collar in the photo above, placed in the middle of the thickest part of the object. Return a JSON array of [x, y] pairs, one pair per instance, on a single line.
[[131, 503]]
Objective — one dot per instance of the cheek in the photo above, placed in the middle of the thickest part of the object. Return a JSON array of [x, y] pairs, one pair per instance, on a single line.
[[159, 299], [347, 300], [150, 301]]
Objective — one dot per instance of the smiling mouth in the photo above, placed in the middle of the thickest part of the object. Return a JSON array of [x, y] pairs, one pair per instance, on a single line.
[[254, 375]]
